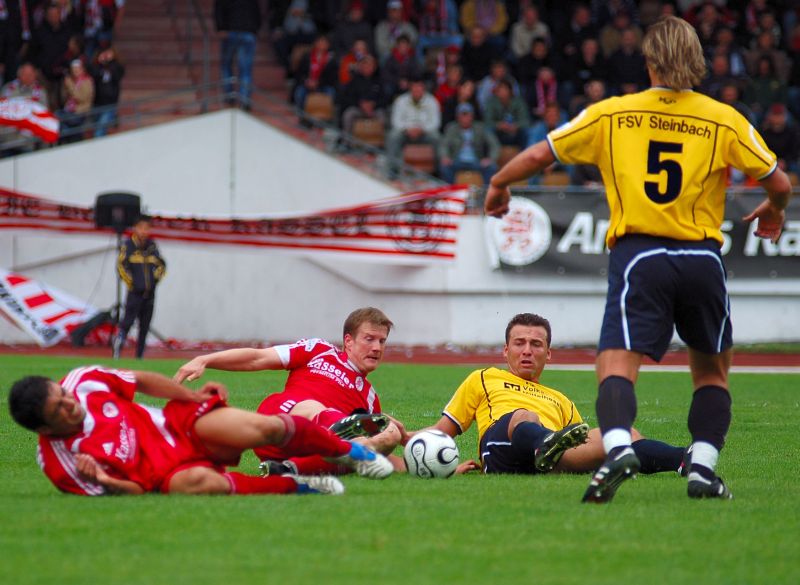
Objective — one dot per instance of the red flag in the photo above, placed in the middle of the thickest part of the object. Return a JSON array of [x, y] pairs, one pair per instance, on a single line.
[[29, 115]]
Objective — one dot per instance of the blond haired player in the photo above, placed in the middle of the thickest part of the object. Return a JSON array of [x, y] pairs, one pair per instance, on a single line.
[[664, 155]]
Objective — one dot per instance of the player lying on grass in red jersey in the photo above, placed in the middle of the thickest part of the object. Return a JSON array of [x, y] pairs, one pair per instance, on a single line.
[[526, 427], [325, 385], [95, 440]]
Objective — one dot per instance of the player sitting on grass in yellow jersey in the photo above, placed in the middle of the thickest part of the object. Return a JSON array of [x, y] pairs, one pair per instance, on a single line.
[[525, 427]]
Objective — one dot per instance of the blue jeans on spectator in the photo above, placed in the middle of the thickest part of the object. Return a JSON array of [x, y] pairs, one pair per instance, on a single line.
[[106, 118], [241, 46]]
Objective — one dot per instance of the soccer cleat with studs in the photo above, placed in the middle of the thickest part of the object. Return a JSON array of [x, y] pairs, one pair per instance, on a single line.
[[700, 487], [317, 484], [554, 445], [365, 462], [360, 425], [273, 467], [615, 469]]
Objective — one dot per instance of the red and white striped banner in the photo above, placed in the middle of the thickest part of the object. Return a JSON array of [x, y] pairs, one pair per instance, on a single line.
[[415, 228], [27, 114], [46, 313]]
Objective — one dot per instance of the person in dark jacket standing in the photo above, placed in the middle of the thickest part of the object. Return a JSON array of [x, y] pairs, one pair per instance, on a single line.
[[141, 267], [107, 72], [240, 20]]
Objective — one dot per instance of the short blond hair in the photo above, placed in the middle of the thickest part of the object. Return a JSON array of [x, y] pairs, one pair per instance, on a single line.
[[369, 315], [674, 53]]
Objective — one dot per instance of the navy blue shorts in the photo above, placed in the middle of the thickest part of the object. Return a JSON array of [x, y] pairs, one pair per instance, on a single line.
[[657, 284], [497, 456]]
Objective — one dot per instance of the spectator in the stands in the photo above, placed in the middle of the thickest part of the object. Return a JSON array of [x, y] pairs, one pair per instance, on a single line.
[[100, 18], [525, 30], [543, 92], [491, 16], [782, 137], [416, 118], [401, 66], [765, 46], [718, 76], [78, 93], [764, 88], [594, 91], [477, 54], [15, 31], [454, 74], [610, 37], [351, 29], [239, 21], [497, 72], [363, 97], [578, 28], [107, 72], [467, 145], [730, 93], [349, 61], [298, 28], [464, 95], [50, 41], [507, 115], [26, 85], [317, 72], [626, 64], [726, 44], [552, 118], [388, 31], [437, 26], [588, 64], [604, 11], [793, 43], [707, 23]]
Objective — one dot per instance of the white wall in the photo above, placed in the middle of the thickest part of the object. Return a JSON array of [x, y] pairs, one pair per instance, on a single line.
[[230, 163]]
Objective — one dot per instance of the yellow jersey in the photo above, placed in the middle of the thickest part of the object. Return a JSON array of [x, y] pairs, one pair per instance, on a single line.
[[664, 157], [488, 394]]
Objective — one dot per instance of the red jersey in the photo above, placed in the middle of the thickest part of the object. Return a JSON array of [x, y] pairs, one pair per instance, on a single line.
[[130, 441], [319, 371]]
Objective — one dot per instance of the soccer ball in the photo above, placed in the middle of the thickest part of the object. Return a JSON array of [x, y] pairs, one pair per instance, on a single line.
[[430, 454]]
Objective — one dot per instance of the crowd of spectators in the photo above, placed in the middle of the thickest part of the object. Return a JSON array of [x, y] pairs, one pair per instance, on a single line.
[[472, 76], [60, 53]]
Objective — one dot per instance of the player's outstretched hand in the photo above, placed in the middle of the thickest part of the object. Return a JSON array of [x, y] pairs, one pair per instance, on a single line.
[[189, 371], [467, 466], [211, 389], [496, 202], [770, 220]]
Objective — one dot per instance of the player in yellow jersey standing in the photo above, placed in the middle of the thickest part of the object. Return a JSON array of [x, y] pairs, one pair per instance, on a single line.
[[664, 154], [526, 427]]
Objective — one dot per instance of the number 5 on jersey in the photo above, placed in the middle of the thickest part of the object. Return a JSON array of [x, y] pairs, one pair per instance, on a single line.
[[656, 165]]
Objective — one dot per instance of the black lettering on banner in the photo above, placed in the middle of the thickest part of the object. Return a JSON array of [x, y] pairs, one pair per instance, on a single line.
[[656, 165]]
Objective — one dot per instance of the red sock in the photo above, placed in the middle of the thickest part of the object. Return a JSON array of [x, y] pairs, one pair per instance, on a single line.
[[303, 437], [325, 418], [316, 465], [242, 484]]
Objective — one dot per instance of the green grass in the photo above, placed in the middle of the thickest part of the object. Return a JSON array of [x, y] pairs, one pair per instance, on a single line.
[[468, 529]]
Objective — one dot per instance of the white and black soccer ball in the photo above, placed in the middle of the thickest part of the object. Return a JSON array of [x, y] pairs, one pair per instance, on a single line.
[[431, 454]]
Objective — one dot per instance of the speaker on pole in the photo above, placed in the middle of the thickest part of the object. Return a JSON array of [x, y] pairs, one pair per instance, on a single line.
[[117, 210]]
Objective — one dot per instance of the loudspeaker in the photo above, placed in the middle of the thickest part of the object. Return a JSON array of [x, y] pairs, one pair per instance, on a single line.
[[116, 210]]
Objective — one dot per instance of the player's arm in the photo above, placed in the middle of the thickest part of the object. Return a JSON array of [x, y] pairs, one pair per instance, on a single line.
[[530, 161], [90, 470], [445, 424], [770, 213], [244, 359], [159, 386]]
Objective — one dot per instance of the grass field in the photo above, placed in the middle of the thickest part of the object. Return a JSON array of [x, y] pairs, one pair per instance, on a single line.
[[468, 529]]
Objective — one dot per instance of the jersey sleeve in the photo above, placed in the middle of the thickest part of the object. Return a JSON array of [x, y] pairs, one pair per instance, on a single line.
[[745, 149], [464, 404], [579, 141], [58, 464], [298, 354], [97, 378]]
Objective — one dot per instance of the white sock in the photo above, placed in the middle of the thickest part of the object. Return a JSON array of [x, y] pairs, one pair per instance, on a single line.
[[616, 438], [705, 454]]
